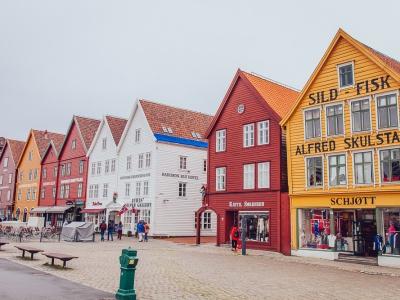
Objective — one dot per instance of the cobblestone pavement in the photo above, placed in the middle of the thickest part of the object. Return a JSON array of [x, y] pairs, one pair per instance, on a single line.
[[169, 270]]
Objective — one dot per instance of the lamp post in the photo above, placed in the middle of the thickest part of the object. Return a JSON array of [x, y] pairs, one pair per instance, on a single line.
[[243, 236]]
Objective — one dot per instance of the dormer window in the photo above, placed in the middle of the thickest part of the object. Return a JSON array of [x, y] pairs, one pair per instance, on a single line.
[[169, 129], [196, 135], [346, 75]]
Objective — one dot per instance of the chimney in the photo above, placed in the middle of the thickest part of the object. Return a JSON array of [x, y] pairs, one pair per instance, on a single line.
[[46, 136]]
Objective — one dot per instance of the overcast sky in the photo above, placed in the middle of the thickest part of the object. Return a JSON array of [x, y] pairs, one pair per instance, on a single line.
[[91, 58]]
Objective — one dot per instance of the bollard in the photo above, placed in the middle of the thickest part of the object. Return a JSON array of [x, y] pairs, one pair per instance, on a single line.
[[128, 261]]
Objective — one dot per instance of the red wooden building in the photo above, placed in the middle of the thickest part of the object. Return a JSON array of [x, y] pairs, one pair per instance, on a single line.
[[246, 176], [72, 170]]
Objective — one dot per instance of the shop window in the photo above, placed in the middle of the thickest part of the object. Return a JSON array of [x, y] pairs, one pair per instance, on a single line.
[[220, 144], [128, 219], [363, 168], [337, 170], [312, 123], [346, 75], [145, 215], [257, 226], [314, 171], [248, 135], [360, 115], [182, 189], [387, 111], [391, 226], [220, 178], [390, 165], [263, 133], [248, 176], [334, 119]]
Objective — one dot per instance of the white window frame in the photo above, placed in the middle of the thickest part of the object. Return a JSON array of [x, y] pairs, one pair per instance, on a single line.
[[148, 160], [182, 185], [375, 98], [137, 135], [93, 168], [267, 129], [328, 170], [127, 189], [5, 162], [129, 162], [354, 169], [246, 180], [248, 135], [73, 144], [220, 140], [268, 164], [381, 182], [138, 188], [113, 163], [307, 187], [320, 123], [79, 190], [145, 188], [10, 177], [218, 176], [107, 166], [326, 118], [140, 161], [105, 190], [338, 75], [99, 168], [104, 144], [206, 222], [182, 162], [351, 114]]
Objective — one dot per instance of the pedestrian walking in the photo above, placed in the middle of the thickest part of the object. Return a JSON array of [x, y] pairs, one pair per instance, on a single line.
[[140, 230], [234, 237], [119, 230], [110, 230], [146, 231], [103, 227]]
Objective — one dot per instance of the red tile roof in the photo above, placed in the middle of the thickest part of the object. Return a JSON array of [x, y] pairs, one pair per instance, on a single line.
[[117, 126], [43, 139], [16, 148], [182, 121], [87, 128], [279, 97], [387, 60]]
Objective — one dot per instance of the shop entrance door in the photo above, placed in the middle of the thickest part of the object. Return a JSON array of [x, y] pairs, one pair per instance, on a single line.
[[231, 218], [364, 229]]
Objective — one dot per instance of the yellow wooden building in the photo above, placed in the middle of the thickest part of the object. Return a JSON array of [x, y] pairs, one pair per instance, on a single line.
[[343, 144]]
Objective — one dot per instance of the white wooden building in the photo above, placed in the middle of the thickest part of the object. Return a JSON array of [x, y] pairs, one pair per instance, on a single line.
[[162, 168], [103, 172]]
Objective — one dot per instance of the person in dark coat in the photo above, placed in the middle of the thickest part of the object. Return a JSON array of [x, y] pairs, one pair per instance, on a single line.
[[103, 227], [110, 230]]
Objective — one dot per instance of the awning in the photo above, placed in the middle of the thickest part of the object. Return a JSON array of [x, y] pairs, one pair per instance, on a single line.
[[92, 210], [40, 209], [57, 209]]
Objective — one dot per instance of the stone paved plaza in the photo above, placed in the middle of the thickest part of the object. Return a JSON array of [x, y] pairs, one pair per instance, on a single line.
[[169, 270]]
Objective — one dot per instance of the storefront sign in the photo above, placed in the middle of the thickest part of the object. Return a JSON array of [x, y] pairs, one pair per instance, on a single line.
[[355, 142], [363, 87], [97, 203], [135, 176], [351, 201], [246, 204], [72, 180], [181, 176]]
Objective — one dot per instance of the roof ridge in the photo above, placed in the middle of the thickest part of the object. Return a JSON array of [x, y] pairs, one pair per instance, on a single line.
[[116, 117], [176, 107], [79, 116], [272, 81]]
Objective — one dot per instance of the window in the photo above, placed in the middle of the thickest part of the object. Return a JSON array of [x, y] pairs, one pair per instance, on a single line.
[[5, 162], [207, 220], [263, 133], [140, 161], [360, 115], [337, 170], [363, 168], [182, 189], [257, 224], [104, 144], [145, 215], [390, 165], [220, 140], [19, 194], [334, 119], [248, 176], [346, 75], [43, 192], [220, 178], [30, 155], [28, 194], [21, 176], [129, 162], [312, 123], [138, 188], [128, 219], [80, 189], [263, 175], [73, 144], [105, 190], [54, 192], [93, 168], [314, 171], [62, 190], [248, 135], [137, 135], [91, 188], [387, 111], [10, 177], [96, 191], [145, 188], [182, 162], [148, 159], [391, 227], [204, 165], [67, 191], [8, 195], [99, 168], [113, 166], [44, 173], [62, 170], [81, 166], [68, 170], [35, 174], [107, 167], [1, 179], [127, 189], [30, 175]]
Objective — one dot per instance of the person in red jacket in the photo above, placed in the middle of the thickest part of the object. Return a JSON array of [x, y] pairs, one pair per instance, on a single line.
[[234, 237]]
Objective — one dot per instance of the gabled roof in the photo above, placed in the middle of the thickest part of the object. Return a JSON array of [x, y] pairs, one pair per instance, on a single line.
[[16, 148], [278, 97], [117, 126], [181, 121], [56, 145], [87, 128], [388, 64]]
